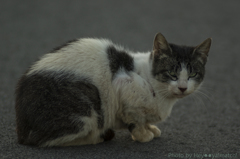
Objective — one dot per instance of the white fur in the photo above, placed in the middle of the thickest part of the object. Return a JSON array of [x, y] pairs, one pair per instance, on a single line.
[[182, 82], [133, 97]]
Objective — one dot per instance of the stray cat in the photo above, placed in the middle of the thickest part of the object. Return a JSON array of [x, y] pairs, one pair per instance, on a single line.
[[80, 92]]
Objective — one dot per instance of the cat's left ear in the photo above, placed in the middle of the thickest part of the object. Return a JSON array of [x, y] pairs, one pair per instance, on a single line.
[[201, 51]]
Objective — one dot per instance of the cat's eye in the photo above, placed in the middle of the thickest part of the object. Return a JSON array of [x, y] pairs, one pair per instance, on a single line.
[[172, 73], [193, 74]]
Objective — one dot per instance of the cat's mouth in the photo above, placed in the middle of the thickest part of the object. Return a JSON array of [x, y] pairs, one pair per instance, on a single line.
[[180, 95]]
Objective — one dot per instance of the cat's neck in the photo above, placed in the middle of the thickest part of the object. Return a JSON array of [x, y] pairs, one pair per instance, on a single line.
[[143, 67]]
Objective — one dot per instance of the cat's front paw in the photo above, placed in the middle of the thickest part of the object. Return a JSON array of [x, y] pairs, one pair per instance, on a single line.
[[155, 130], [142, 135]]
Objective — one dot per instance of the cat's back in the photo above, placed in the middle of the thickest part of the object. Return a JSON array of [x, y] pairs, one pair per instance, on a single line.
[[81, 56]]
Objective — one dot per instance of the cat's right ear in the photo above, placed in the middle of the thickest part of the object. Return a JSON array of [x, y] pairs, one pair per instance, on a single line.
[[160, 44]]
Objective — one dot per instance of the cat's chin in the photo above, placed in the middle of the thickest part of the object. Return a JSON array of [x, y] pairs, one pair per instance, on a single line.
[[179, 95]]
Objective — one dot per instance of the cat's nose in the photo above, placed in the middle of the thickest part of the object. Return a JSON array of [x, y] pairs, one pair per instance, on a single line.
[[182, 89]]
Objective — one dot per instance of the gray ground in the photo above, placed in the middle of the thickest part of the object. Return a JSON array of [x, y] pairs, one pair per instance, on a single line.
[[197, 125]]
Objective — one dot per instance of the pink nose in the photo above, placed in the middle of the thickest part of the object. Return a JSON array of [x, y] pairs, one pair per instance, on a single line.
[[182, 89]]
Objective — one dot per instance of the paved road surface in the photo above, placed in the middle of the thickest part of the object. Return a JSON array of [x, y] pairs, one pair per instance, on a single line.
[[198, 125]]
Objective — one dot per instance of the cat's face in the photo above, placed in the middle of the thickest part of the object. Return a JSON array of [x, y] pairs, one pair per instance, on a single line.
[[180, 69]]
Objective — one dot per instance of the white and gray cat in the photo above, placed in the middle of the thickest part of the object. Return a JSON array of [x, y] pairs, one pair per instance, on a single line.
[[82, 91]]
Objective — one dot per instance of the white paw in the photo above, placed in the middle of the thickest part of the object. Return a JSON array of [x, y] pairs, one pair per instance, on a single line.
[[143, 136], [155, 130]]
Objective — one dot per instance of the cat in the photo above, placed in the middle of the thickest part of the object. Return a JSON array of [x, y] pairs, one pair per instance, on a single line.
[[81, 92]]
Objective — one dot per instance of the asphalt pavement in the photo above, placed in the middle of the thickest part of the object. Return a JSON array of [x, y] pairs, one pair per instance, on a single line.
[[206, 123]]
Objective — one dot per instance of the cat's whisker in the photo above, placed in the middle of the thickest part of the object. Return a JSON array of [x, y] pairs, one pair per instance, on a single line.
[[163, 91], [193, 98], [199, 99], [204, 95], [162, 99], [206, 87], [207, 90], [165, 95]]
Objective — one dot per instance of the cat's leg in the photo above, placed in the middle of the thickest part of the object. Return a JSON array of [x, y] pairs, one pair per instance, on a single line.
[[154, 129], [135, 94], [137, 126], [140, 133], [144, 133], [91, 138], [94, 137]]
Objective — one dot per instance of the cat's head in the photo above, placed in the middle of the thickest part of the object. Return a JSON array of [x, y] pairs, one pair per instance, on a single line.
[[180, 69]]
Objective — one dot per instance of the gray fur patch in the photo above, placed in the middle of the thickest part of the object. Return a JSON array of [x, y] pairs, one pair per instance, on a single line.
[[119, 60], [46, 103], [173, 61]]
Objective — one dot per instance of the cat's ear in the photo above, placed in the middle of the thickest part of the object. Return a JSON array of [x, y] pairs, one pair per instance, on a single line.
[[160, 43], [201, 51]]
